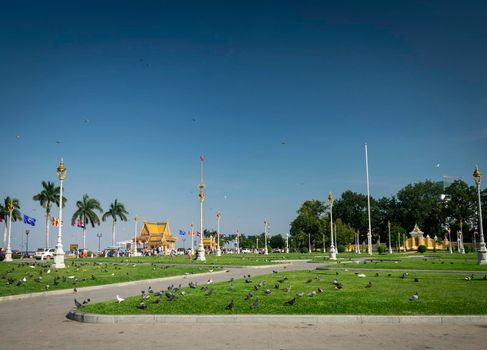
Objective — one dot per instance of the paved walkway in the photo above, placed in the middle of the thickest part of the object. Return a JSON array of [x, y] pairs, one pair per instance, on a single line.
[[40, 323]]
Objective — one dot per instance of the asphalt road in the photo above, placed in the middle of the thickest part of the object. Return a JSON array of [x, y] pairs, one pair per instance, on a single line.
[[40, 323]]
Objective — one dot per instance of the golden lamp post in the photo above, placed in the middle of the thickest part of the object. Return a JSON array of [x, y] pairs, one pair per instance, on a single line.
[[482, 252], [201, 196], [10, 208], [218, 250], [333, 254], [59, 252]]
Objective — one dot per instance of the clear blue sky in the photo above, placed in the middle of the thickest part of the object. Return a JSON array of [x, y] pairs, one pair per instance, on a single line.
[[162, 82]]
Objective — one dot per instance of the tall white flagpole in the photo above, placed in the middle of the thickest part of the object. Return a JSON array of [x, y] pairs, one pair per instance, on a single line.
[[369, 233]]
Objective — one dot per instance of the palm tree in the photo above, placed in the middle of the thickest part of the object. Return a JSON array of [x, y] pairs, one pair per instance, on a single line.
[[86, 214], [48, 196], [4, 215], [116, 209]]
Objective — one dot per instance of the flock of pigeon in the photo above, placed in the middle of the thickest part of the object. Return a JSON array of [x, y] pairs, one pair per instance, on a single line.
[[40, 273], [256, 291]]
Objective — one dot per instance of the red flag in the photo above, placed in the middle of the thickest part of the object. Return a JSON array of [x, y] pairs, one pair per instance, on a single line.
[[201, 158]]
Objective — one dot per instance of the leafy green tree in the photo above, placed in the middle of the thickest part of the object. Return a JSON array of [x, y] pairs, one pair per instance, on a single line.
[[462, 205], [421, 204], [86, 214], [117, 210], [277, 241], [344, 232], [48, 196], [310, 224], [4, 215], [351, 208]]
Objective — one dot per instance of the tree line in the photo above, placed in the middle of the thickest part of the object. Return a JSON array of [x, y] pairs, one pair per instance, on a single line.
[[86, 213], [437, 208]]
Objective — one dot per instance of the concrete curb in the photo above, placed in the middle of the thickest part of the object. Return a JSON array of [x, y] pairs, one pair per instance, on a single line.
[[264, 319], [100, 286]]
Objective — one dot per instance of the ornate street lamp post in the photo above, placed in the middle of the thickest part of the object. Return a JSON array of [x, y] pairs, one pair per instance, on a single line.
[[287, 243], [10, 208], [134, 249], [461, 249], [201, 247], [218, 250], [333, 254], [59, 253], [99, 235], [482, 252], [389, 229], [27, 243], [238, 241], [266, 251]]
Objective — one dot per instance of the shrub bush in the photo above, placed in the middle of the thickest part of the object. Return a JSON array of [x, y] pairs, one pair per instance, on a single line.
[[341, 249], [381, 249], [422, 249], [468, 249]]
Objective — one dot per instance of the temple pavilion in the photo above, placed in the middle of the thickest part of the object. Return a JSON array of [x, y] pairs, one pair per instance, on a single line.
[[155, 235], [417, 238]]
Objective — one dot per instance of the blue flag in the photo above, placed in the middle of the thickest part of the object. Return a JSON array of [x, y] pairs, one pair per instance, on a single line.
[[182, 233], [29, 220]]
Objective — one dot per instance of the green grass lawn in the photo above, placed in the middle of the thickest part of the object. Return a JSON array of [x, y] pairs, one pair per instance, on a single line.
[[439, 294], [458, 262], [81, 273], [211, 259]]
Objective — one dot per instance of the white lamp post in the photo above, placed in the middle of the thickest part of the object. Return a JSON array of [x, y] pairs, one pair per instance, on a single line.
[[191, 234], [59, 253], [201, 247], [482, 252], [333, 255], [369, 233], [309, 243], [238, 242], [99, 235], [8, 253], [266, 251], [218, 250], [287, 243], [134, 249], [389, 229]]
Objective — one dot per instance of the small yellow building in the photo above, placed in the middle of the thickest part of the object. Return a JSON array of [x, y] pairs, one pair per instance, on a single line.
[[417, 238], [155, 235]]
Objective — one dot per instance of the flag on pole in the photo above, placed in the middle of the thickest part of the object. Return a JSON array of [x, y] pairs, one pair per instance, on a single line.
[[198, 234], [201, 158], [55, 221], [80, 224], [30, 221], [182, 233]]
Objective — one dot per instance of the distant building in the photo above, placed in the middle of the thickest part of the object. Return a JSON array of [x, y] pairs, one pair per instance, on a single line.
[[155, 235]]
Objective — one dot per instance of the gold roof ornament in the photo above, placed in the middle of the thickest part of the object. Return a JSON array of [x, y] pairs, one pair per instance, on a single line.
[[476, 173], [416, 231], [10, 205], [330, 198], [61, 170]]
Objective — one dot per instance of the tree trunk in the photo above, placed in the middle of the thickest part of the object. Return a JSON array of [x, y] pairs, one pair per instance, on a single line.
[[4, 243], [113, 233], [84, 231], [47, 229]]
